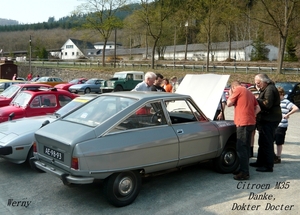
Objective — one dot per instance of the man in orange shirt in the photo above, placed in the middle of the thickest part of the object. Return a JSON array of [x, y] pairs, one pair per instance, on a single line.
[[246, 108], [167, 86]]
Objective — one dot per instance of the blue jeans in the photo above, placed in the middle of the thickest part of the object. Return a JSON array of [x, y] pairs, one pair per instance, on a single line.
[[243, 146]]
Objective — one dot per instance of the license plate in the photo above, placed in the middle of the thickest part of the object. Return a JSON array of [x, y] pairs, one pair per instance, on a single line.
[[53, 153]]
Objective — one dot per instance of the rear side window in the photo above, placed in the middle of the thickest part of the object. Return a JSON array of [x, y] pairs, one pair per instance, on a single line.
[[63, 100]]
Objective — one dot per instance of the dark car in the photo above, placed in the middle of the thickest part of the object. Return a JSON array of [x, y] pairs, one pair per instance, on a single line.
[[292, 91]]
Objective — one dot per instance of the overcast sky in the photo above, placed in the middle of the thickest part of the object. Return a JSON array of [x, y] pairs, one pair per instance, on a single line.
[[34, 11]]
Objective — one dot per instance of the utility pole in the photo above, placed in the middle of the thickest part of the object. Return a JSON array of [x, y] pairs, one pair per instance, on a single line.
[[30, 54]]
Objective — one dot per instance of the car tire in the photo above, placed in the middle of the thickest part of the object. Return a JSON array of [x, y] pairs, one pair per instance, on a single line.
[[228, 161], [87, 90], [31, 163], [118, 88], [121, 189]]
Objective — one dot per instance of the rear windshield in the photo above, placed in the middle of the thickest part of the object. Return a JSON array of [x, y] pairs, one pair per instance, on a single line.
[[99, 110]]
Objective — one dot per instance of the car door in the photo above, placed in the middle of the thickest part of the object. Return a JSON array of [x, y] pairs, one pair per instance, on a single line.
[[41, 105], [96, 86], [143, 139], [297, 95], [198, 137]]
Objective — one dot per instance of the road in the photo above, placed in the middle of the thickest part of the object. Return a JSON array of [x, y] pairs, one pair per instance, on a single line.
[[193, 190]]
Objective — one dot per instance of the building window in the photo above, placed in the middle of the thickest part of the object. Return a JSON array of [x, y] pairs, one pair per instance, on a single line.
[[69, 46], [73, 53], [77, 53], [66, 53]]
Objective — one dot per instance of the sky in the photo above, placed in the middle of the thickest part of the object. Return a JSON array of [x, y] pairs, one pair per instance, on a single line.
[[35, 11]]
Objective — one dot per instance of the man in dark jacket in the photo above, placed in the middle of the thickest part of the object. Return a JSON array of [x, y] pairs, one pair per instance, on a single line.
[[267, 122]]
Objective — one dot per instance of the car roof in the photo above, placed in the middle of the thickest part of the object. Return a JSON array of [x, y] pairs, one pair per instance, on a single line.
[[137, 72], [13, 81], [33, 85], [43, 91], [146, 95]]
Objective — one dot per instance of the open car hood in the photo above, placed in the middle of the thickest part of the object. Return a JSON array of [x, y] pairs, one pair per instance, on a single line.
[[205, 89]]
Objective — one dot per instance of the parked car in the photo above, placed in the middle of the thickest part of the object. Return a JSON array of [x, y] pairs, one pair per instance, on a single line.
[[5, 83], [50, 80], [292, 91], [120, 137], [227, 88], [17, 136], [90, 86], [35, 103], [7, 95], [122, 81], [73, 82]]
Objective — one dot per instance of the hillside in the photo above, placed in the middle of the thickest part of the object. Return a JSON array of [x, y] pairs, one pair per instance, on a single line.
[[8, 22]]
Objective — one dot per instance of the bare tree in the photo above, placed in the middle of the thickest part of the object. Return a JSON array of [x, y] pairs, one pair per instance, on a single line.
[[101, 17], [154, 14], [280, 15]]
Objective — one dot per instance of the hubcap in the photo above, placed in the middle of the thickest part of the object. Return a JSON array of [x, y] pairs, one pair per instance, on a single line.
[[125, 186], [228, 158]]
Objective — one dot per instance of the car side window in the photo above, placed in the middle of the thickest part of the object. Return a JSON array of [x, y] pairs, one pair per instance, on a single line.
[[149, 115], [36, 102], [48, 100], [182, 111], [63, 100]]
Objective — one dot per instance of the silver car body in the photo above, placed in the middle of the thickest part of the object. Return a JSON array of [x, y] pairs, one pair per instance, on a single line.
[[122, 136], [17, 136]]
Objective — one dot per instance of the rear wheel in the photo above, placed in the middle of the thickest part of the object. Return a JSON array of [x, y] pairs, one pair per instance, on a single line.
[[228, 161], [31, 163], [87, 90], [121, 189]]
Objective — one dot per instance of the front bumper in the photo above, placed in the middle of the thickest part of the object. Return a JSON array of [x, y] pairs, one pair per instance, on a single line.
[[64, 176], [6, 150]]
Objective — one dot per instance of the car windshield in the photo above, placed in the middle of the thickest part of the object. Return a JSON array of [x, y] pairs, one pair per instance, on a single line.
[[74, 81], [90, 81], [43, 79], [286, 86], [99, 110], [22, 99], [120, 75], [10, 92], [71, 106]]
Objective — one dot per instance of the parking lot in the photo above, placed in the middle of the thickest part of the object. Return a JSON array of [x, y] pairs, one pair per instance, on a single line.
[[193, 190]]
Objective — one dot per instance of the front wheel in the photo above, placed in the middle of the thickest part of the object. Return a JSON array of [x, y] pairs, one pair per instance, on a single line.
[[228, 161], [87, 90], [118, 88], [121, 189]]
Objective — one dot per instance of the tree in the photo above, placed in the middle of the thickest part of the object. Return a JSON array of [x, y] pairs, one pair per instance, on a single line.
[[154, 15], [280, 16], [290, 54], [259, 51], [101, 17]]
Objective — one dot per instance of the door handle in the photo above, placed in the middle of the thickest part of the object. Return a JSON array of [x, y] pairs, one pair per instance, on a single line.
[[180, 131]]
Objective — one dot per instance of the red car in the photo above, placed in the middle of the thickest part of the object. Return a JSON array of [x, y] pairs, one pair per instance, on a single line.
[[7, 95], [67, 85], [35, 103], [227, 88]]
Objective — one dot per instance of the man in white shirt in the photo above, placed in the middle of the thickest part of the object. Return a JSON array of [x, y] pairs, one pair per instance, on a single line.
[[147, 83]]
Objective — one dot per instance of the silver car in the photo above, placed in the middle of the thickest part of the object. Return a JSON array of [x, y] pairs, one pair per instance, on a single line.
[[122, 136], [17, 136]]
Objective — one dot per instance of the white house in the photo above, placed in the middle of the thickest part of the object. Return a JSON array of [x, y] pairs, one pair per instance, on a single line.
[[109, 45], [75, 49], [240, 51]]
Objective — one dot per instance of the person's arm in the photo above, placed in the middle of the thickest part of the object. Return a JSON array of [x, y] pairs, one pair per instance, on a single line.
[[257, 109], [293, 110]]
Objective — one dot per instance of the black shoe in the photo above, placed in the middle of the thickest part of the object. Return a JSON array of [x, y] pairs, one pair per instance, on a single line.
[[241, 176], [264, 169], [278, 160], [236, 172], [255, 164]]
